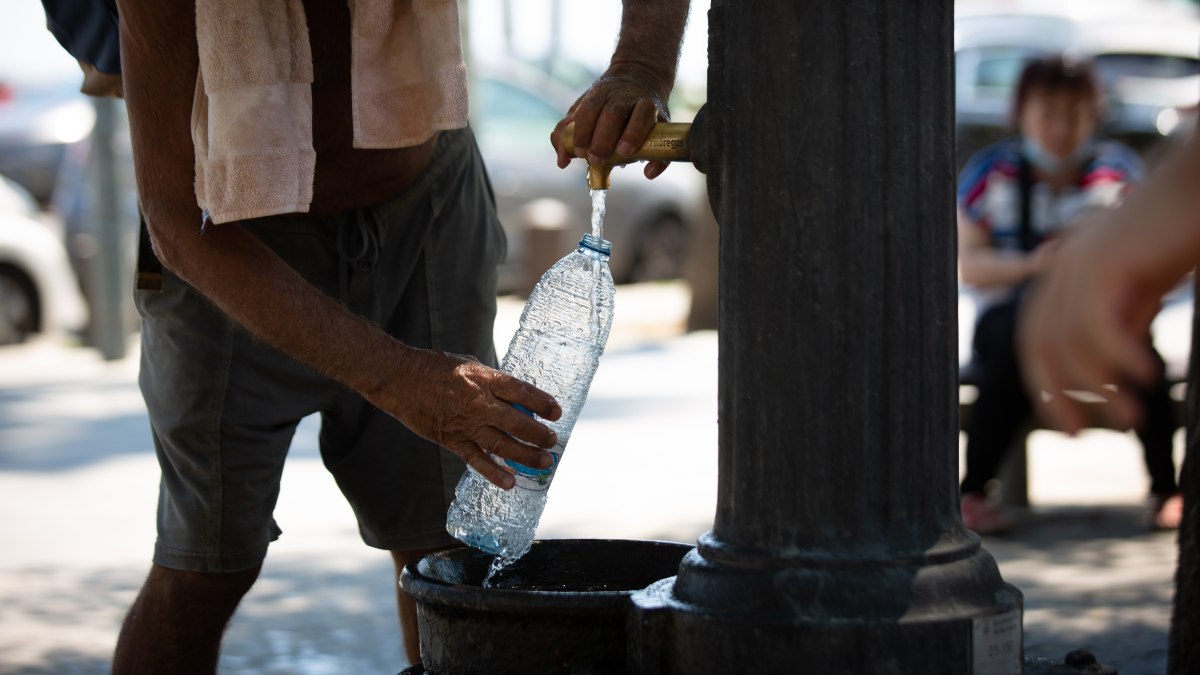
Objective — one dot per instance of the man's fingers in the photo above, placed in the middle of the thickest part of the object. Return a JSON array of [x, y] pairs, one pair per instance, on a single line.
[[1057, 409], [1050, 367], [643, 117], [585, 122], [503, 445], [483, 464], [654, 169], [1043, 379], [1082, 367], [508, 388], [556, 139], [1123, 410], [1128, 355], [609, 128], [519, 424], [1060, 411]]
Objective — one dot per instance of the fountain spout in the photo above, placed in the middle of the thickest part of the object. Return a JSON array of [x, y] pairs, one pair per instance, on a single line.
[[667, 141]]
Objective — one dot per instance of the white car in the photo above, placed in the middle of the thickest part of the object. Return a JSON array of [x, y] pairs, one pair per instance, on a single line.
[[38, 289]]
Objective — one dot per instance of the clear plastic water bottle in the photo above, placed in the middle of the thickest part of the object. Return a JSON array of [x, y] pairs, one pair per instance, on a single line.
[[557, 348]]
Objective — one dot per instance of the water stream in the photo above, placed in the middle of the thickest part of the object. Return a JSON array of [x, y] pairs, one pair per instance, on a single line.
[[598, 209], [598, 197]]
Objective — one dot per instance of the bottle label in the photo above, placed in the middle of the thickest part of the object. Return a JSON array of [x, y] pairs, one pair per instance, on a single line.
[[535, 480]]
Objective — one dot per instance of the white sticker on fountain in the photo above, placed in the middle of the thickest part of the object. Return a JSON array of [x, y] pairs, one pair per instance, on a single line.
[[997, 644]]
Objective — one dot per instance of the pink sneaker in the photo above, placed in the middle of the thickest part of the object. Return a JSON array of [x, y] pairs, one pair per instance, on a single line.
[[1164, 512], [983, 515]]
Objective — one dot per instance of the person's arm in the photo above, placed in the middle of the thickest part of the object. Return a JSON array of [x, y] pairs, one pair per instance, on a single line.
[[618, 110], [1087, 323], [449, 399], [984, 266]]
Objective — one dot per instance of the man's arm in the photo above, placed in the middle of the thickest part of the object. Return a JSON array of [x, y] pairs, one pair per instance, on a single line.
[[1087, 322], [449, 399], [618, 110]]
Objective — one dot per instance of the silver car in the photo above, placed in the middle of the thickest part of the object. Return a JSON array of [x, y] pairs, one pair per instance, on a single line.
[[515, 108]]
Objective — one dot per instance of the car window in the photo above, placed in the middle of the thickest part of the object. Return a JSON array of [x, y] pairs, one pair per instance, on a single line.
[[993, 72], [502, 102], [1157, 66]]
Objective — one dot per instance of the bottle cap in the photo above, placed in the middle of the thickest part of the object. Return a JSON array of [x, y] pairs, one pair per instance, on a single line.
[[601, 246]]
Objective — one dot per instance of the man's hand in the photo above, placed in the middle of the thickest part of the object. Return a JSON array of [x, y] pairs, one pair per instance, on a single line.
[[1086, 324], [617, 111], [1042, 258], [1086, 327], [466, 407], [614, 115]]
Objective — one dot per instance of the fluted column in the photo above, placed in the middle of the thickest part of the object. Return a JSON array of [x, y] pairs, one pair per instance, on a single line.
[[837, 545]]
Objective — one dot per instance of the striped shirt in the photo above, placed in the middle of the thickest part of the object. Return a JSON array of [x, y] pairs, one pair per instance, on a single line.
[[989, 194]]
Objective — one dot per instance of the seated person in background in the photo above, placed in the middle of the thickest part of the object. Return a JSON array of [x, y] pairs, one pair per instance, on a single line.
[[1014, 199]]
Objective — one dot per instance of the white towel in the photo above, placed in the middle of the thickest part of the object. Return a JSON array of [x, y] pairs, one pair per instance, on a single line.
[[252, 113]]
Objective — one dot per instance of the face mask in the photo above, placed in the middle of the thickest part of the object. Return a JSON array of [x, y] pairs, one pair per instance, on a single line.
[[1049, 163]]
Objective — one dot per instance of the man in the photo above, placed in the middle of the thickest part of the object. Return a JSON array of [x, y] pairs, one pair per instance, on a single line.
[[372, 304], [1085, 327], [1017, 199]]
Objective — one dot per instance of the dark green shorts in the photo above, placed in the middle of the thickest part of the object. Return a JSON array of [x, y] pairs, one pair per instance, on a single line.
[[224, 406]]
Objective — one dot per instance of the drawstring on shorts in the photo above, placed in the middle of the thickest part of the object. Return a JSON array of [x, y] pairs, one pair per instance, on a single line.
[[358, 240]]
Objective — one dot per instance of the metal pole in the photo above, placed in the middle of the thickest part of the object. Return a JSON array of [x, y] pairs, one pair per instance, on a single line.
[[110, 270], [506, 26], [555, 49], [837, 545]]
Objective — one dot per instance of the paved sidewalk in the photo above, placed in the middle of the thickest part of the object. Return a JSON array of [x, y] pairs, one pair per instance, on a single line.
[[78, 484]]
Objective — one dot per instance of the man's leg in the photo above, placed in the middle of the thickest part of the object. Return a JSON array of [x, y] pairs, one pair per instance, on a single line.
[[176, 622], [405, 605], [223, 407]]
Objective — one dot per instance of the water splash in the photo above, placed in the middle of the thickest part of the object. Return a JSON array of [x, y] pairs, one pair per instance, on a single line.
[[498, 564], [598, 208]]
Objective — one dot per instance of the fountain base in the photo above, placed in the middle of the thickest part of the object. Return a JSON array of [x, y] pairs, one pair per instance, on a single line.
[[562, 608]]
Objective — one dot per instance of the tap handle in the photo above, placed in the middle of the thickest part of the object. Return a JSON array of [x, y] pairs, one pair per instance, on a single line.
[[667, 141]]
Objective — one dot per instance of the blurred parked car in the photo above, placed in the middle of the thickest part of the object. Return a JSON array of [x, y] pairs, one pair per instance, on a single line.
[[38, 291], [1145, 55], [516, 107], [38, 124]]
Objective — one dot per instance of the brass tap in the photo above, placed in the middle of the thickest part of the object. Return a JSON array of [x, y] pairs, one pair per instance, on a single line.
[[667, 141]]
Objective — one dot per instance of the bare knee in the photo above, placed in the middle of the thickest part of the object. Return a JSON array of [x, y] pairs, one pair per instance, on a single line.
[[176, 622], [405, 604], [402, 558], [207, 598], [219, 584]]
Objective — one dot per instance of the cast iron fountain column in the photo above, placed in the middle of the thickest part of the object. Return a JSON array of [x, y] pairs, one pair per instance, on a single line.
[[837, 545]]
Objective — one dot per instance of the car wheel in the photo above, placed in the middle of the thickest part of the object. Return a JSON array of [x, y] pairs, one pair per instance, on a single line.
[[660, 250], [18, 306]]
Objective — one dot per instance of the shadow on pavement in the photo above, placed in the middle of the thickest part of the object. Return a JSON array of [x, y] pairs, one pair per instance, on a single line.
[[1093, 578], [296, 621], [62, 427], [77, 446]]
